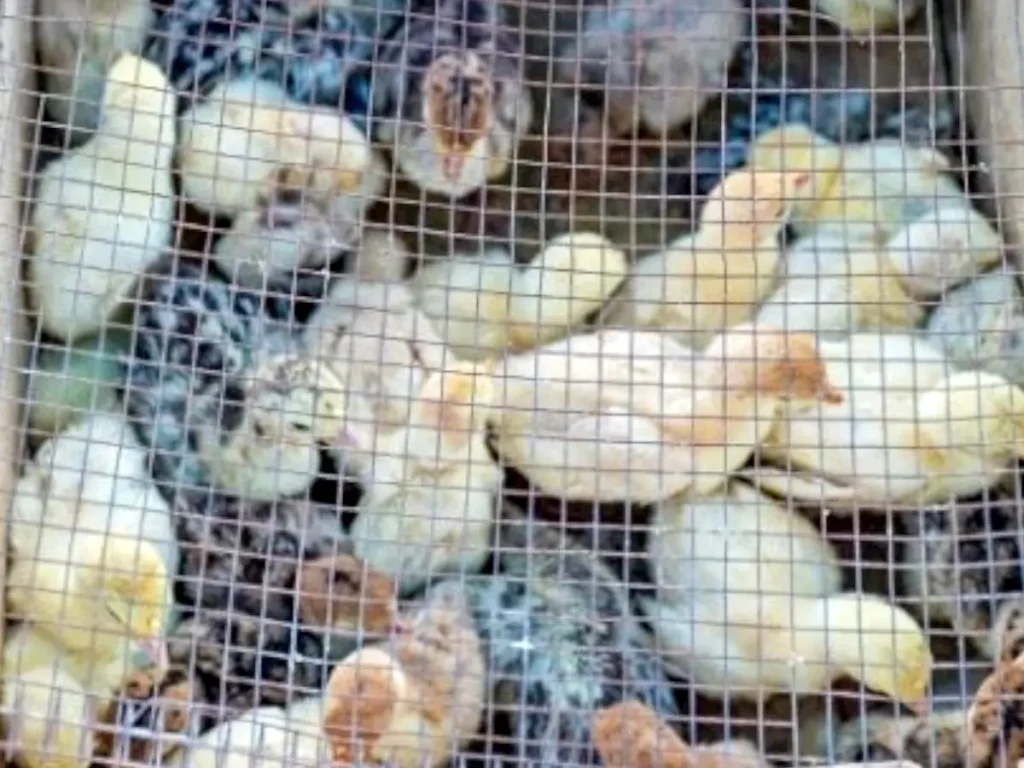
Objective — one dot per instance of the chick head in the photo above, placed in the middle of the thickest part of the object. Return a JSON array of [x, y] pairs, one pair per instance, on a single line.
[[344, 592], [130, 578], [359, 702], [458, 107], [994, 717], [456, 401], [795, 147], [754, 357], [631, 734], [753, 202]]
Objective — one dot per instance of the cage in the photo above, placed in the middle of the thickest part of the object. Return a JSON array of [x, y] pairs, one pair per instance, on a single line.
[[604, 382]]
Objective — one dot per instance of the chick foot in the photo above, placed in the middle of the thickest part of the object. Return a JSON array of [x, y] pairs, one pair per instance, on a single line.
[[151, 714]]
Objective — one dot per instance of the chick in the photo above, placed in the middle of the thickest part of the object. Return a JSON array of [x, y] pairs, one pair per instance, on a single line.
[[195, 338], [92, 544], [105, 211], [630, 735], [905, 445], [379, 345], [864, 191], [77, 42], [620, 415], [706, 282], [749, 603], [450, 98], [981, 324], [832, 286], [429, 486], [656, 63], [67, 383], [267, 444], [485, 306], [416, 701], [963, 564], [864, 17], [234, 145], [275, 601], [562, 643], [984, 735]]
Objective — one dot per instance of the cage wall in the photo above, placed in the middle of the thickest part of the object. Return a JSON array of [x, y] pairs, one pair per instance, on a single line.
[[309, 631]]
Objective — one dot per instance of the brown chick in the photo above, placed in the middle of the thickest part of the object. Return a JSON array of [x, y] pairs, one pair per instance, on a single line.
[[411, 703], [631, 735], [450, 98]]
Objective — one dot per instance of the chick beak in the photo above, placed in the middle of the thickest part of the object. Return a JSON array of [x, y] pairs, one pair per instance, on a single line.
[[919, 707], [156, 651], [451, 166]]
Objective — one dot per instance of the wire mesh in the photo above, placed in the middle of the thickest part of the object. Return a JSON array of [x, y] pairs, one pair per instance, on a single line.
[[623, 383]]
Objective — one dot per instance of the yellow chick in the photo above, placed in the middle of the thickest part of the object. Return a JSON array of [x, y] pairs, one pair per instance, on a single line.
[[749, 602], [706, 282], [631, 735], [915, 444], [861, 18], [483, 306], [832, 286], [268, 737], [272, 447], [632, 415], [860, 191], [414, 702], [428, 504], [234, 143], [92, 542], [378, 344], [77, 41], [105, 211]]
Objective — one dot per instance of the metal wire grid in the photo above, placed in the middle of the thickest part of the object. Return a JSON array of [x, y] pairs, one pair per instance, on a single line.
[[568, 624]]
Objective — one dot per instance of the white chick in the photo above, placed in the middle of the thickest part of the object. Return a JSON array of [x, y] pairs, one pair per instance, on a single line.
[[66, 384], [483, 306], [429, 504], [620, 415], [942, 248], [268, 445], [864, 191], [981, 324], [105, 211], [861, 18], [833, 286], [378, 344], [234, 143], [901, 445], [749, 602], [77, 41], [704, 283], [414, 702], [265, 737]]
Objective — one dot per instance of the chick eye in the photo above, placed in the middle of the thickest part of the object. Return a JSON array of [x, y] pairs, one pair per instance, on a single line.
[[301, 428]]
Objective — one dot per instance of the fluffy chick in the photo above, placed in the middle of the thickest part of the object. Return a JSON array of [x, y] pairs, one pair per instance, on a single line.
[[77, 41], [864, 191], [450, 97], [631, 735], [93, 545], [985, 735], [620, 415], [379, 345], [268, 444], [195, 338], [234, 145], [864, 17], [749, 603], [656, 62], [833, 286], [905, 445], [706, 282], [562, 643], [414, 702], [485, 306], [429, 486], [105, 211]]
